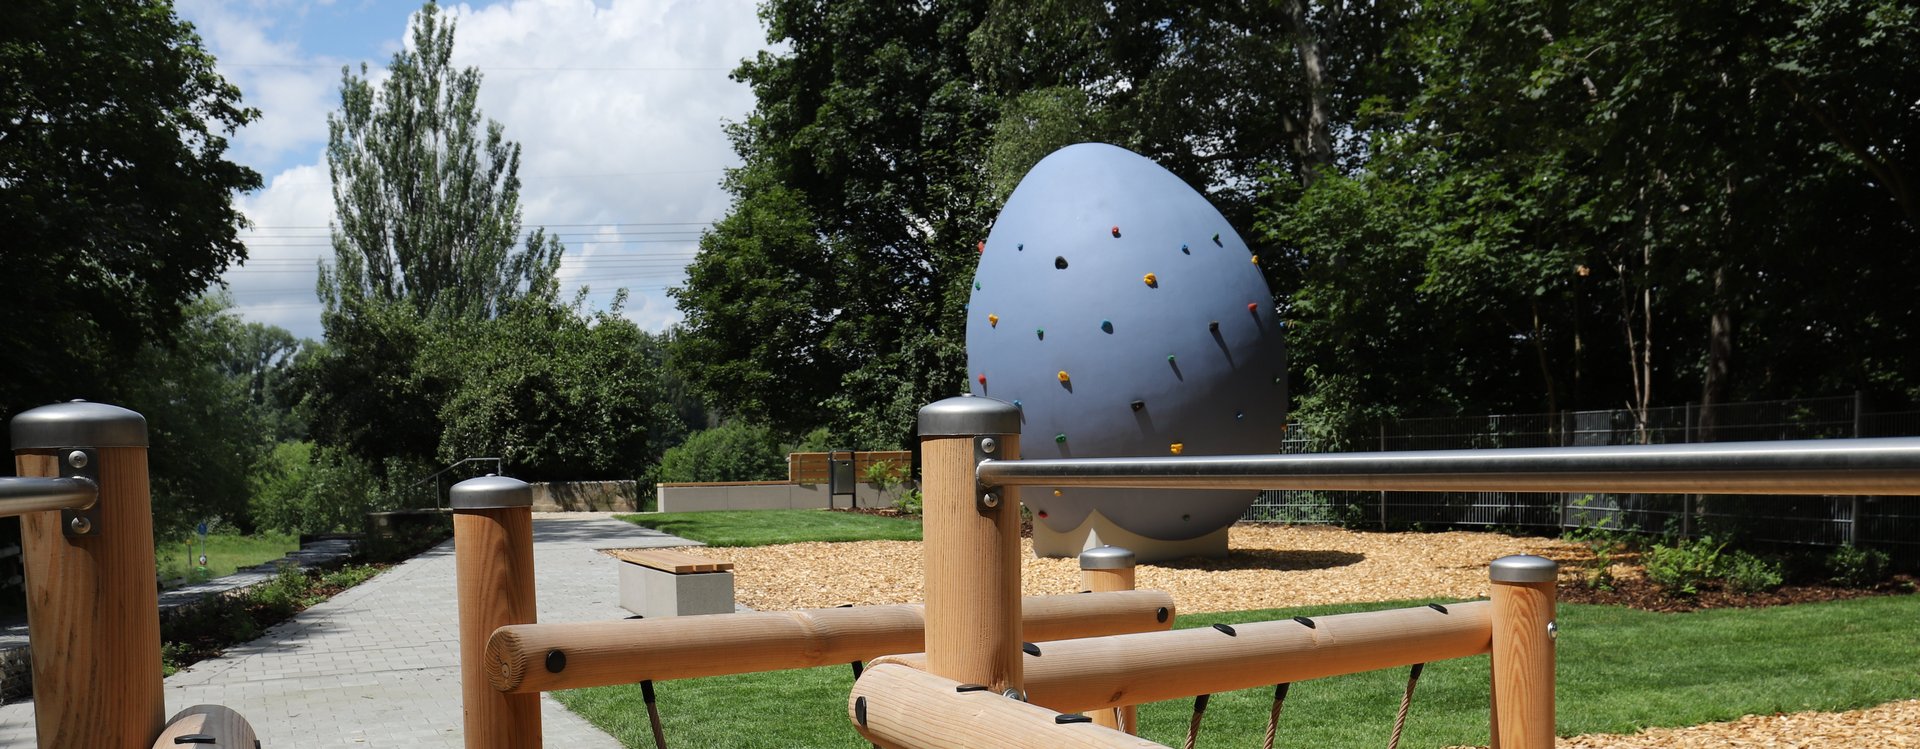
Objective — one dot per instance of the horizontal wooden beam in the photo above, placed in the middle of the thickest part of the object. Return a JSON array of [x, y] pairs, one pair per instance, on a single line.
[[1134, 669], [220, 728], [519, 658], [895, 706]]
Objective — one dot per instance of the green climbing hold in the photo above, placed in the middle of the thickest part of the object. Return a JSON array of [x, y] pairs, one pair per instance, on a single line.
[[1061, 437]]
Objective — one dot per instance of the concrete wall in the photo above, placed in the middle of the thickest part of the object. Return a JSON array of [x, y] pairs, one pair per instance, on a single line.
[[586, 496], [761, 495]]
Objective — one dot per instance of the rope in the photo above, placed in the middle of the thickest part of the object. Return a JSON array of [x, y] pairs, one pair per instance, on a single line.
[[1273, 720], [653, 714], [1193, 728], [1406, 701], [856, 670]]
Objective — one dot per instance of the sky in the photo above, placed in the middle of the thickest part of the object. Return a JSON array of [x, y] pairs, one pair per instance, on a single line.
[[618, 106]]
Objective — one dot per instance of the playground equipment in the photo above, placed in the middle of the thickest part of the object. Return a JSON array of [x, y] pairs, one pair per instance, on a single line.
[[1117, 308], [93, 615]]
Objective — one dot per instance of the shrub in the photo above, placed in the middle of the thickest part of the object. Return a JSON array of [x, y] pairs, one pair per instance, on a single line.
[[735, 451], [1682, 568], [1856, 567], [1747, 573], [300, 488]]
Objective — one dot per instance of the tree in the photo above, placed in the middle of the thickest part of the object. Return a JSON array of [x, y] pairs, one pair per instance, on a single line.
[[427, 226], [735, 451], [115, 188]]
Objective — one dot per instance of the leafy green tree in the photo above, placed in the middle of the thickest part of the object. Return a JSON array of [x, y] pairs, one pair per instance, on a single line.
[[427, 237], [558, 395], [115, 188]]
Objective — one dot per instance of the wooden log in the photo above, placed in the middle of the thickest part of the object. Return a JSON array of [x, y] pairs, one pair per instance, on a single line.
[[93, 613], [630, 651], [972, 547], [1523, 634], [493, 557], [225, 728], [894, 706], [1090, 674]]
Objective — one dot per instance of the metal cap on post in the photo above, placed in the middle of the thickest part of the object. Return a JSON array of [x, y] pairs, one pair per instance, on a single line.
[[1524, 568], [1106, 558], [78, 424], [490, 492], [968, 416]]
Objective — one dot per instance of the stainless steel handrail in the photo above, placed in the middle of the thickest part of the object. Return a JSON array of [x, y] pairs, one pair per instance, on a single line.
[[19, 496], [1811, 467]]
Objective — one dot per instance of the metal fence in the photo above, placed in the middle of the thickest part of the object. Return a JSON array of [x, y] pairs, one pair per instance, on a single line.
[[1891, 523]]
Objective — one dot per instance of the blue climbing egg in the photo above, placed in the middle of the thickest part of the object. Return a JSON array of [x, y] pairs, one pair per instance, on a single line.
[[1212, 387]]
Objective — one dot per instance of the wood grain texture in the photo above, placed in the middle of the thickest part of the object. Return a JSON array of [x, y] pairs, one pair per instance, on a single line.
[[493, 557], [1095, 673], [972, 567], [912, 709], [629, 651], [93, 613], [228, 729], [1126, 717], [1523, 689], [676, 562]]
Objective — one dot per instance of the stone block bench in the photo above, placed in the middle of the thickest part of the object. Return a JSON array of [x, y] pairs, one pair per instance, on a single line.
[[663, 582]]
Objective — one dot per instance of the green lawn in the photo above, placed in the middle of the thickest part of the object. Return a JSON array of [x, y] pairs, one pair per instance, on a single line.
[[225, 553], [1619, 670], [768, 527]]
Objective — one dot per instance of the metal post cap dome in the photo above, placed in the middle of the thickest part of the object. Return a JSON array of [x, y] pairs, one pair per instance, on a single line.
[[78, 424], [1106, 558], [967, 416], [1524, 568], [491, 492]]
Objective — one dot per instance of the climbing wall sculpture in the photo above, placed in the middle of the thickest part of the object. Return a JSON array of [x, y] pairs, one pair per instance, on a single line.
[[1117, 309]]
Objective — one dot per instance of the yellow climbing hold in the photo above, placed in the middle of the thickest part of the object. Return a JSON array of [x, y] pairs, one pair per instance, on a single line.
[[1256, 259], [993, 320], [1063, 376], [1056, 492], [1177, 447], [1151, 280]]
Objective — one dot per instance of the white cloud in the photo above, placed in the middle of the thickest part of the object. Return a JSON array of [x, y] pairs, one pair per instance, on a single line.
[[618, 109]]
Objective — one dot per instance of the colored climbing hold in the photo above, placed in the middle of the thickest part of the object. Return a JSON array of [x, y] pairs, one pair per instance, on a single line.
[[1019, 248], [1239, 415], [1256, 259], [1063, 376], [982, 250], [1106, 326], [1184, 250], [1213, 325], [1169, 358], [983, 379], [1056, 492], [1116, 232], [1177, 447], [1016, 403], [976, 285], [1060, 262], [1253, 306], [1216, 240], [1151, 280], [1061, 437], [1040, 333], [1041, 514], [1137, 405], [993, 320]]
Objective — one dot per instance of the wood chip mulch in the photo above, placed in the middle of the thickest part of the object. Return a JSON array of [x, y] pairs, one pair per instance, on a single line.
[[1894, 725]]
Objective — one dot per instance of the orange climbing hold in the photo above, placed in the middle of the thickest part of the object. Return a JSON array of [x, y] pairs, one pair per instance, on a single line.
[[1063, 376], [983, 378], [1177, 447], [1253, 306], [1151, 280], [993, 320]]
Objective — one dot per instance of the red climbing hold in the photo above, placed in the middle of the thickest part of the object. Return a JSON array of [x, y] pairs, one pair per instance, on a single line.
[[982, 250], [1116, 232], [983, 379], [1253, 306]]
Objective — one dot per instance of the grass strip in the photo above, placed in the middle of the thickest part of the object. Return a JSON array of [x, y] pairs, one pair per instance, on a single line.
[[179, 561], [769, 527], [1619, 670]]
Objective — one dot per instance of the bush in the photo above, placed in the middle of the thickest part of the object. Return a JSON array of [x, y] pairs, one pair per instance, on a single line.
[[736, 451], [1856, 567], [1746, 573], [1683, 567], [300, 488]]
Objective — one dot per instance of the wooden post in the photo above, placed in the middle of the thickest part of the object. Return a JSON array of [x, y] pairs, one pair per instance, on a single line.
[[972, 544], [1523, 635], [493, 555], [1104, 570], [93, 615]]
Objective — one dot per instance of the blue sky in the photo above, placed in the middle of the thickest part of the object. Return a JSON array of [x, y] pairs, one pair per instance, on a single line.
[[618, 107]]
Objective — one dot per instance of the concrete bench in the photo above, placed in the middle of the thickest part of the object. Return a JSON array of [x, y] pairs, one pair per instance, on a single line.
[[663, 582]]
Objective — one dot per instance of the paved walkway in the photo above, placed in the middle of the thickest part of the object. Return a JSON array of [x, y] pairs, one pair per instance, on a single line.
[[378, 665]]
